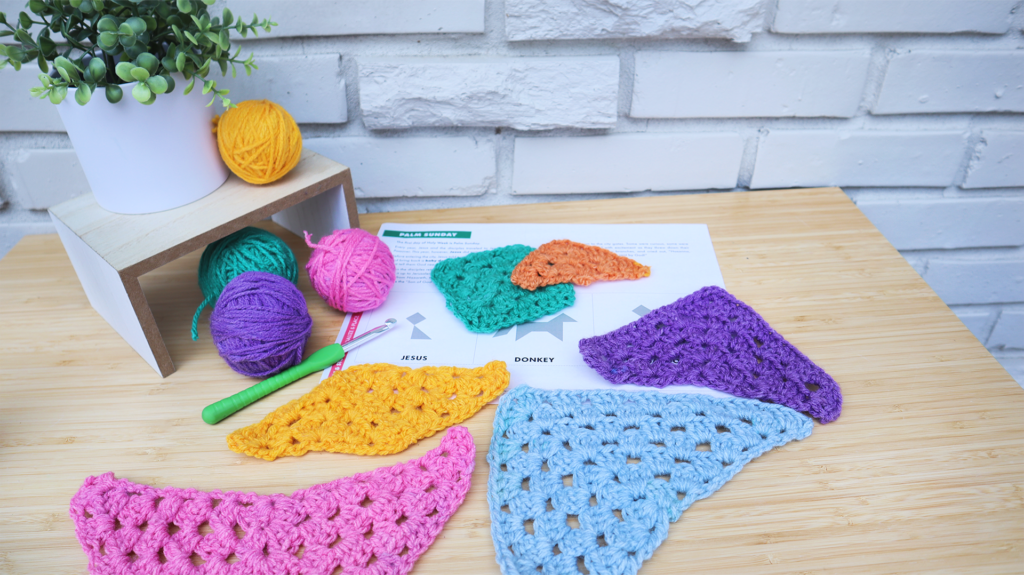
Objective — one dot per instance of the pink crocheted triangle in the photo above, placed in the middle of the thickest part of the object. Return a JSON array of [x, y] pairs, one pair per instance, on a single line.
[[376, 522]]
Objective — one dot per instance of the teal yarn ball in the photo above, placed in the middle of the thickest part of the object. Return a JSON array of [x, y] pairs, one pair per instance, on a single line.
[[247, 250]]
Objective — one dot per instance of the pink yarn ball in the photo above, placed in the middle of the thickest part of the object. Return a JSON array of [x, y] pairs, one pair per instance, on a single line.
[[351, 269]]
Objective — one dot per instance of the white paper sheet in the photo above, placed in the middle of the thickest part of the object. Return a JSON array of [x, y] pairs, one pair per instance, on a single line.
[[545, 353]]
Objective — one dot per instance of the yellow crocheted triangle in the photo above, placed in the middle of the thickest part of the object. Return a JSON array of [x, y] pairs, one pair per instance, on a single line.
[[565, 261], [373, 409]]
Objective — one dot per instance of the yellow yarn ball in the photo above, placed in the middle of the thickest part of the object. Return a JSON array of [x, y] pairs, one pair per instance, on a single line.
[[259, 141]]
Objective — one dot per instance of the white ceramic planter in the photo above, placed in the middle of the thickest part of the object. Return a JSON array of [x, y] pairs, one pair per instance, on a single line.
[[143, 159]]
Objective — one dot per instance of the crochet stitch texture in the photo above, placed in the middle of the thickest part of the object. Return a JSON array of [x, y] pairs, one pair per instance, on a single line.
[[375, 522], [478, 289], [374, 409], [593, 478], [711, 339], [565, 261]]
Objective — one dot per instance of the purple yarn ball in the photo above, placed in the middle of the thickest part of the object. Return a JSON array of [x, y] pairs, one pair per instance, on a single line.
[[260, 324]]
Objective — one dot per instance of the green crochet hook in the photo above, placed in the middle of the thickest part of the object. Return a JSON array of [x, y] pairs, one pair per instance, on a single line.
[[215, 412]]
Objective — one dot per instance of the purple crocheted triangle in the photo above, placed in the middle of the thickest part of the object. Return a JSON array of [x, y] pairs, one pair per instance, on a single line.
[[711, 339]]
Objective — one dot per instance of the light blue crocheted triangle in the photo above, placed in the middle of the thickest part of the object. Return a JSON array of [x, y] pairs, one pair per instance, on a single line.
[[593, 478]]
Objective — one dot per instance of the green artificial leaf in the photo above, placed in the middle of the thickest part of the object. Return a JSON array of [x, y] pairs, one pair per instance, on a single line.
[[228, 17], [184, 6], [47, 46], [66, 69], [86, 8], [35, 91], [124, 71], [208, 85], [137, 25], [170, 82], [24, 20], [179, 62], [223, 66], [57, 94], [108, 39], [41, 62], [163, 10], [197, 22], [107, 24], [209, 2], [150, 23], [98, 5], [140, 74], [168, 63], [83, 94], [14, 64], [24, 37], [36, 6], [3, 50], [126, 29], [148, 61], [157, 84], [114, 93], [234, 71], [3, 18], [75, 3], [16, 54], [191, 37], [132, 52], [97, 69], [223, 41], [204, 23], [6, 33], [212, 37], [45, 79], [150, 101], [141, 92], [191, 84]]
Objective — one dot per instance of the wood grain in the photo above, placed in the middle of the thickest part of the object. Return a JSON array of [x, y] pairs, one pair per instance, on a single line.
[[922, 473]]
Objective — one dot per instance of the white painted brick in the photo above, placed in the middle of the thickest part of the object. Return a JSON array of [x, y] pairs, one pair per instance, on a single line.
[[400, 167], [44, 178], [586, 19], [999, 161], [833, 158], [898, 16], [522, 93], [948, 223], [626, 163], [22, 112], [351, 17], [926, 82], [960, 281], [1009, 331], [748, 84], [978, 321], [310, 87]]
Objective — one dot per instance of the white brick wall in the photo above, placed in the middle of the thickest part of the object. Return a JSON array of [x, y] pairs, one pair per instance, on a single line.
[[746, 85], [1009, 331], [428, 166], [924, 224], [927, 81], [572, 19], [998, 162], [899, 16], [310, 87], [857, 158], [22, 112], [626, 163], [351, 17], [522, 93], [914, 107]]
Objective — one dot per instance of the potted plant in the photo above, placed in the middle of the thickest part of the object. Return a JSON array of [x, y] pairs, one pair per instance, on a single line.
[[154, 150]]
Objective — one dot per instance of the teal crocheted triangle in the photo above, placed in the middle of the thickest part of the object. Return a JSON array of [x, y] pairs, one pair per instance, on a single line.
[[593, 478], [478, 289]]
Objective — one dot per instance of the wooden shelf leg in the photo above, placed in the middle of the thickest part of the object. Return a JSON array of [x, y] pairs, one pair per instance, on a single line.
[[118, 298]]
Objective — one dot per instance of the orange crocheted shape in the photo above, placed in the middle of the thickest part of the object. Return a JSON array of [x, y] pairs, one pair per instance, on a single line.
[[373, 409], [564, 261]]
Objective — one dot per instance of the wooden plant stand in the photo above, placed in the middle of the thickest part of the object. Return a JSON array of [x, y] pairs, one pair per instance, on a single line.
[[110, 251]]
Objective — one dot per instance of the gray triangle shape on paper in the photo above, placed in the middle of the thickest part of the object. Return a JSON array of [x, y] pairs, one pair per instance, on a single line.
[[641, 310], [417, 334]]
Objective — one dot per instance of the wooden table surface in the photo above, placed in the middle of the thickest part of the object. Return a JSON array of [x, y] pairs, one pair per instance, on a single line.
[[922, 473]]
